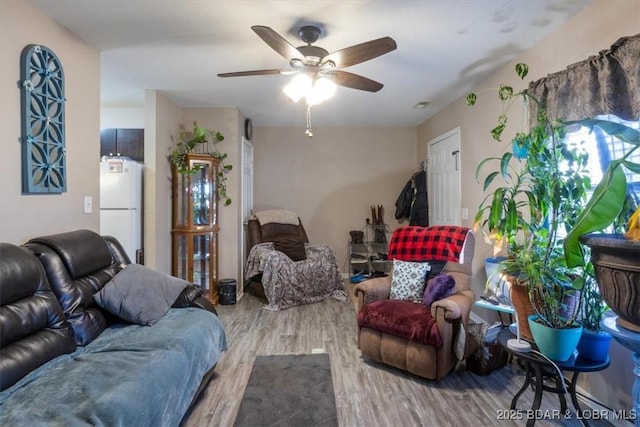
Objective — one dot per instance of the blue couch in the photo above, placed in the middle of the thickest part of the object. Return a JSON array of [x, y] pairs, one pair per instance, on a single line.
[[65, 360]]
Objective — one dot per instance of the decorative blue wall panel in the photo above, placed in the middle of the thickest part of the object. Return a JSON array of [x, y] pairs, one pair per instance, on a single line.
[[43, 137]]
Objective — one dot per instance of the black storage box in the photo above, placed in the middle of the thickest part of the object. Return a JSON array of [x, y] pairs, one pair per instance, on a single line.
[[228, 291]]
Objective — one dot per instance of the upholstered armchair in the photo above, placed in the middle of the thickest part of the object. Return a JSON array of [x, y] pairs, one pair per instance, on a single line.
[[290, 269], [427, 341]]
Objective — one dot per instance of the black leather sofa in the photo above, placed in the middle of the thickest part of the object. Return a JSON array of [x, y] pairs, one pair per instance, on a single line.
[[64, 360]]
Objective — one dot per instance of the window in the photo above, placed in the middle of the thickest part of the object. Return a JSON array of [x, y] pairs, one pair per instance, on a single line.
[[602, 148]]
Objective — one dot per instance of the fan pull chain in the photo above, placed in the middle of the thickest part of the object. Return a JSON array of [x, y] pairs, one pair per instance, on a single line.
[[309, 131]]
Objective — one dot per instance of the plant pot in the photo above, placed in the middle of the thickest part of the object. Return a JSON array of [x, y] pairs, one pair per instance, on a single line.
[[522, 307], [556, 344], [519, 151], [617, 269], [594, 345], [496, 285]]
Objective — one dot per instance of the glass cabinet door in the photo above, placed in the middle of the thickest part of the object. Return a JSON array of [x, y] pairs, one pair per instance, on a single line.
[[180, 206], [201, 262], [195, 196], [180, 256], [203, 200], [195, 259]]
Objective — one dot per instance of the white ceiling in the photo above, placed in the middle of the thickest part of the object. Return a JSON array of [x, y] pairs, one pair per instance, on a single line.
[[179, 47]]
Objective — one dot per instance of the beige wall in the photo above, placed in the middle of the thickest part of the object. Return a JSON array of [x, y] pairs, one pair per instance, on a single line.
[[332, 179], [583, 36], [162, 124], [25, 216], [122, 117]]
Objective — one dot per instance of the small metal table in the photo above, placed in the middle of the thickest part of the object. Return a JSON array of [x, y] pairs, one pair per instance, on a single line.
[[537, 367]]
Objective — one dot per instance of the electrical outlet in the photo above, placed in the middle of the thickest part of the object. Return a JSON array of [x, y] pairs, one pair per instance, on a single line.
[[88, 204]]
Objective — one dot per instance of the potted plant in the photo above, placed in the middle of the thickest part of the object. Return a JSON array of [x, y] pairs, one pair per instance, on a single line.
[[594, 342], [197, 141], [541, 194]]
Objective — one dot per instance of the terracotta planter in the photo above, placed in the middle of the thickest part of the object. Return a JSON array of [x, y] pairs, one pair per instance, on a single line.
[[617, 265], [522, 306]]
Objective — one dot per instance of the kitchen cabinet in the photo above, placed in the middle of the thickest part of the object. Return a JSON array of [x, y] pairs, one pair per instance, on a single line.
[[122, 142]]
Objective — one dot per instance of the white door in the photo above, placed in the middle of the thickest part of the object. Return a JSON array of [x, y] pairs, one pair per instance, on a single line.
[[443, 171], [246, 210]]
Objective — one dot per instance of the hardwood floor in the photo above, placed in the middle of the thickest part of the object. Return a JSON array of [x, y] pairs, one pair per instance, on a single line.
[[367, 394]]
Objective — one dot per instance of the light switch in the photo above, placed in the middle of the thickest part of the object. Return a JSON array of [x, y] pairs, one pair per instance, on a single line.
[[465, 213], [88, 204]]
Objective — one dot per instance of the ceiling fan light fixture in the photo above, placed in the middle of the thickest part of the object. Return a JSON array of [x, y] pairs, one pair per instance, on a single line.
[[323, 89], [298, 87], [316, 68], [314, 91]]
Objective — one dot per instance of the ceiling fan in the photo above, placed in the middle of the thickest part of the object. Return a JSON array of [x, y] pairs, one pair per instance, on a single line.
[[317, 62]]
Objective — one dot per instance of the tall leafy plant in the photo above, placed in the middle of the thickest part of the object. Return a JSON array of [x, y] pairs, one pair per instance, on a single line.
[[593, 307], [540, 194]]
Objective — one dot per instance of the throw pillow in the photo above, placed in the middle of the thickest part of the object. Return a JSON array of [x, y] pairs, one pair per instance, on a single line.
[[292, 247], [407, 280], [140, 295], [439, 287]]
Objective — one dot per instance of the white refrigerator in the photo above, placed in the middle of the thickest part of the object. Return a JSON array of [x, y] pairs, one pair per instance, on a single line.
[[121, 203]]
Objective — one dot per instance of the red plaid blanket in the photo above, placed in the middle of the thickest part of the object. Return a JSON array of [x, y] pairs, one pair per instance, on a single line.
[[437, 243]]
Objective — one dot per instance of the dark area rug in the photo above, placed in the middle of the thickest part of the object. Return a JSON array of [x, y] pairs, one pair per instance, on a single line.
[[289, 390]]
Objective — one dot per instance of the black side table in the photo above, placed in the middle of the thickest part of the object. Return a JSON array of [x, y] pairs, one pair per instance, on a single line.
[[537, 367]]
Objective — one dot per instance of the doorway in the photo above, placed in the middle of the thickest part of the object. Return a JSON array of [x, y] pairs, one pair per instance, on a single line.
[[443, 164]]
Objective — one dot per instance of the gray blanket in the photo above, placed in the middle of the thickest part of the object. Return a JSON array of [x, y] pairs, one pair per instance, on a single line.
[[131, 375], [287, 283]]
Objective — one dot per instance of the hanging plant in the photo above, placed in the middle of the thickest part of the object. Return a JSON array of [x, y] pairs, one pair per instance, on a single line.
[[197, 142]]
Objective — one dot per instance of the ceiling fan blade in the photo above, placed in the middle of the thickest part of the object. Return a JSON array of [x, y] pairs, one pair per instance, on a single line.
[[358, 53], [354, 81], [253, 73], [278, 43]]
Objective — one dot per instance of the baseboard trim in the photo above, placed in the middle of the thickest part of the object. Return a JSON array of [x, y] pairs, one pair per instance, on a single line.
[[475, 318], [586, 399]]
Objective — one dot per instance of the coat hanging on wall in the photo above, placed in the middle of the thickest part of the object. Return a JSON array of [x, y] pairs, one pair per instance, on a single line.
[[412, 202]]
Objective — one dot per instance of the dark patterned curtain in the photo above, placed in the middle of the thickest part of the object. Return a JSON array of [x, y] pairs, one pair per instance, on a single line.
[[608, 83]]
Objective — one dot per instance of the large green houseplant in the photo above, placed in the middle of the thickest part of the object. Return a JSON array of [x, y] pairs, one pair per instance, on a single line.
[[539, 194], [197, 141]]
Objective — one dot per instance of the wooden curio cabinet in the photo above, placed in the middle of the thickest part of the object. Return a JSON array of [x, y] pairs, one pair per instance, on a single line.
[[195, 224]]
